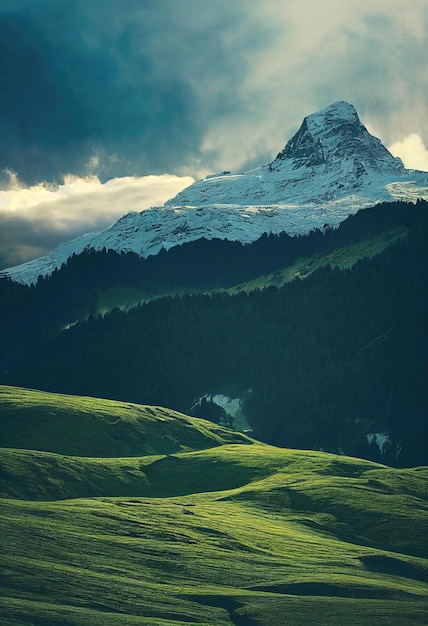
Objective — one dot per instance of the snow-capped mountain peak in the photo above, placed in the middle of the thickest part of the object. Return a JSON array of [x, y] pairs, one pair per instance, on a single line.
[[334, 134], [332, 155], [332, 167]]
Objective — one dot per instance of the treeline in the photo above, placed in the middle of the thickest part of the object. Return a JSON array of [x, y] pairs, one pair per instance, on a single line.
[[321, 362], [74, 291]]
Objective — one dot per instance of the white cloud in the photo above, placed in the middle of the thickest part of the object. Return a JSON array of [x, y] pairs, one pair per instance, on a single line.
[[412, 152], [87, 201], [36, 219]]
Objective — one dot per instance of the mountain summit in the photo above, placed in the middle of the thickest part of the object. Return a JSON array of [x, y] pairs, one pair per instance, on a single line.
[[331, 155], [332, 167], [333, 135]]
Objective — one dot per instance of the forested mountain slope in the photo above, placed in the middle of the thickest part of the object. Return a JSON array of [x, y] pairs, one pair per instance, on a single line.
[[336, 361], [97, 282]]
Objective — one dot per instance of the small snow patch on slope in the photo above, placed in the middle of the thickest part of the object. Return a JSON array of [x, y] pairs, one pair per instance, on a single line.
[[382, 440]]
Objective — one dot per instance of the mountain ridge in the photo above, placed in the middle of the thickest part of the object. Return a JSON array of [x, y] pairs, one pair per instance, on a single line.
[[330, 169]]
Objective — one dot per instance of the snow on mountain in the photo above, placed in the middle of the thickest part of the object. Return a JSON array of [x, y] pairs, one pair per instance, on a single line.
[[331, 156], [331, 168]]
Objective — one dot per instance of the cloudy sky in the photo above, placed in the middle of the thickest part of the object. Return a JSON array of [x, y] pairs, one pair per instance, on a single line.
[[108, 106]]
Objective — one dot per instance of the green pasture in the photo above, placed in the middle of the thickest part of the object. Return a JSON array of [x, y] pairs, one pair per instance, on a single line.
[[235, 532]]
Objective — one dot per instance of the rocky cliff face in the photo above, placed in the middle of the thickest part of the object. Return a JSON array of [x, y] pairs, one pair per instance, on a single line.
[[334, 135]]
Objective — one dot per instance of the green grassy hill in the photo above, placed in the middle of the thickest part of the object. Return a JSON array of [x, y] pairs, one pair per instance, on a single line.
[[236, 532], [83, 426]]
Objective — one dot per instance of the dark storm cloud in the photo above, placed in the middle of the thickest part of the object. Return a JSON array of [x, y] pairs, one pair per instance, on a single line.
[[138, 87], [41, 118], [133, 83], [21, 239]]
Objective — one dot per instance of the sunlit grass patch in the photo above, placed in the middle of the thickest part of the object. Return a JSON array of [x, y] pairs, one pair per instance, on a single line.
[[84, 426]]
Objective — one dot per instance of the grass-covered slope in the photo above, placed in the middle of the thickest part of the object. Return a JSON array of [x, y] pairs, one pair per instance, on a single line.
[[243, 534], [344, 258], [94, 427], [351, 498]]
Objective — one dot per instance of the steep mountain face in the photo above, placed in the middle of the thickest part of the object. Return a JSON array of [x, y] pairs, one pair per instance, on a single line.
[[331, 168], [330, 157], [333, 135]]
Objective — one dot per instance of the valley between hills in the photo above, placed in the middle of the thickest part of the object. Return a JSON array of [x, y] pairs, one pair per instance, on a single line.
[[118, 513]]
